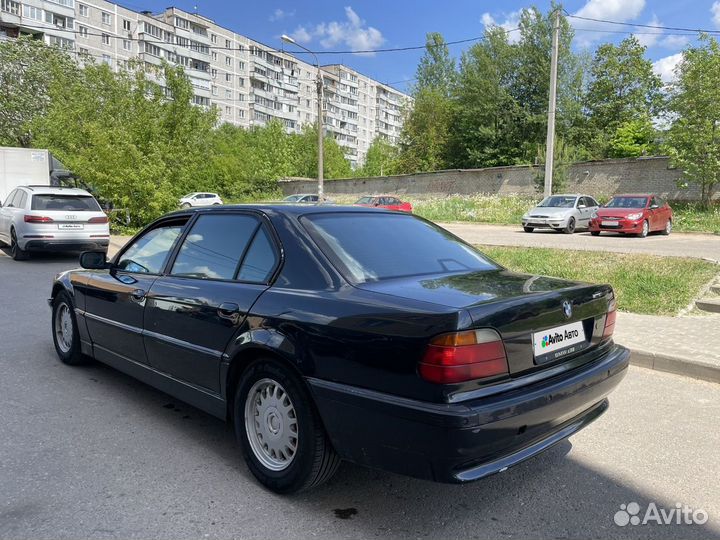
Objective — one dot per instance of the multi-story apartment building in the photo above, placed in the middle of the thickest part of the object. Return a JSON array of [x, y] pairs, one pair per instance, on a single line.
[[249, 83]]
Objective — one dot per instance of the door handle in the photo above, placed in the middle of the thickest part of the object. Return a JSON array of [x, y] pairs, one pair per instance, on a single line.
[[138, 295], [229, 311]]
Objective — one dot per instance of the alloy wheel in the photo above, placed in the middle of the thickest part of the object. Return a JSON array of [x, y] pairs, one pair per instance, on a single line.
[[271, 424], [64, 327]]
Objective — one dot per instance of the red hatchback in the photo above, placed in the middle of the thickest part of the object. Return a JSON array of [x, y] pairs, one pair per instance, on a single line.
[[638, 214], [385, 201]]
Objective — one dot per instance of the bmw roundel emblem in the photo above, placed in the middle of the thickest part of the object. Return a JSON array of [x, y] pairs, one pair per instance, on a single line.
[[567, 309]]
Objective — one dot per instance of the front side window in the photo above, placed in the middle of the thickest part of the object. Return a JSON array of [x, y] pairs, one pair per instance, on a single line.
[[214, 246], [75, 203], [409, 247], [147, 255], [9, 200]]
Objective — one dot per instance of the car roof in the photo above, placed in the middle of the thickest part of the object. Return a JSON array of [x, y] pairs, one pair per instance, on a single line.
[[285, 208], [56, 190], [635, 195]]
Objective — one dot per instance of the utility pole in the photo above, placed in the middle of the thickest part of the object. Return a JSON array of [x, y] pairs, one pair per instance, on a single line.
[[320, 123], [550, 144]]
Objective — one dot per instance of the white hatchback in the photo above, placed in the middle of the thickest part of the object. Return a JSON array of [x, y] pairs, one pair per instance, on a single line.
[[200, 199], [43, 218]]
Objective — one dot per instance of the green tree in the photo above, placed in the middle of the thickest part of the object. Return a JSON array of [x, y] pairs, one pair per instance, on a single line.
[[380, 160], [335, 165], [623, 89], [633, 138], [693, 140], [27, 68], [135, 143], [564, 155], [426, 128]]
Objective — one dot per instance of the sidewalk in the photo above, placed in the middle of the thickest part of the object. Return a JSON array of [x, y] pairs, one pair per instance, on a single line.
[[687, 346]]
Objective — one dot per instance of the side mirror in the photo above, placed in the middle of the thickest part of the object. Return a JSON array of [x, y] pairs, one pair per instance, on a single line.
[[654, 207], [94, 260]]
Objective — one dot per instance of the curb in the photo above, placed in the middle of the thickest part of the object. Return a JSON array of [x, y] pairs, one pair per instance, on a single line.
[[678, 366]]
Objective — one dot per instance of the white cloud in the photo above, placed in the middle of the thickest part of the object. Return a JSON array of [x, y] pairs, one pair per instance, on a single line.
[[352, 33], [675, 42], [715, 10], [665, 67], [280, 14], [649, 36], [511, 21], [612, 10], [301, 35]]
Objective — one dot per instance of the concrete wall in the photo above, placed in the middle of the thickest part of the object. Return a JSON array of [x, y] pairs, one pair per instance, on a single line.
[[597, 178]]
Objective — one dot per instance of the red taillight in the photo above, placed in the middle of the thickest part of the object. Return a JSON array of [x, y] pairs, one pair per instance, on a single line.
[[610, 321], [464, 356], [99, 219], [37, 219]]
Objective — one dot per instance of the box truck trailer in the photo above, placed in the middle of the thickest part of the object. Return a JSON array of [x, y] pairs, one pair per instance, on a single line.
[[29, 166]]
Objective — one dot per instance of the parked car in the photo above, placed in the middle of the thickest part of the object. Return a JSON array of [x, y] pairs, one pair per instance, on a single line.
[[388, 202], [638, 214], [333, 332], [44, 218], [200, 199], [564, 213], [305, 198]]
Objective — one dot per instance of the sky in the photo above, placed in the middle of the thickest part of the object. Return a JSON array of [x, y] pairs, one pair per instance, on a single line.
[[347, 26]]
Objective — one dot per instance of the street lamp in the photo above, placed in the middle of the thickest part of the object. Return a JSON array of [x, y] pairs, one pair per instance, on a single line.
[[290, 40]]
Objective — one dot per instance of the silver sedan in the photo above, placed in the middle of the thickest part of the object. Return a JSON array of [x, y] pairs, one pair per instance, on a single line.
[[561, 212]]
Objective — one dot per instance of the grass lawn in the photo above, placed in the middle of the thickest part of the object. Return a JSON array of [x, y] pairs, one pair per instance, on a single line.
[[643, 283], [508, 210]]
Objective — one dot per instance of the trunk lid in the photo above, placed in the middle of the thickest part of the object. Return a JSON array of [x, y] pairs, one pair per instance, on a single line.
[[523, 308]]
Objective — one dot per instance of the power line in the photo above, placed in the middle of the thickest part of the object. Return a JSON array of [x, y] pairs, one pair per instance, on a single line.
[[637, 25]]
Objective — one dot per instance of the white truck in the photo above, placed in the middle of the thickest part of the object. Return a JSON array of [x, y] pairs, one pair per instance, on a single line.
[[28, 166]]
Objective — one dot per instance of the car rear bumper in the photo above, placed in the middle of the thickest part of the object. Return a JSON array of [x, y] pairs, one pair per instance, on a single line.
[[470, 440], [94, 244]]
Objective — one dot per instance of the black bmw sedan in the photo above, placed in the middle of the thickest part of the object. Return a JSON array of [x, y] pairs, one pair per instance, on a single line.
[[329, 333]]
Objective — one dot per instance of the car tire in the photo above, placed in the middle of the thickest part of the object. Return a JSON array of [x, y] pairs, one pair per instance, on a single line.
[[528, 229], [645, 229], [595, 233], [185, 205], [66, 337], [668, 228], [287, 450], [570, 228], [216, 204], [16, 252]]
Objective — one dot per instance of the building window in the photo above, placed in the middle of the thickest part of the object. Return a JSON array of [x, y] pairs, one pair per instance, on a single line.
[[227, 44], [126, 25], [241, 97], [228, 61], [32, 12], [10, 6], [127, 44], [228, 94], [213, 38], [214, 90], [228, 77], [241, 81], [241, 113], [106, 59], [214, 55], [213, 72], [241, 65], [83, 31], [106, 18], [106, 39], [228, 112]]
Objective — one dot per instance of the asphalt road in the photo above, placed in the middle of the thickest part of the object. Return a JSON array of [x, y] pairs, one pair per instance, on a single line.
[[701, 246], [90, 453]]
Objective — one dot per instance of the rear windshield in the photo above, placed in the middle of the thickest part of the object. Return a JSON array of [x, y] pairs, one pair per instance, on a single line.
[[364, 200], [76, 203], [370, 247], [627, 202]]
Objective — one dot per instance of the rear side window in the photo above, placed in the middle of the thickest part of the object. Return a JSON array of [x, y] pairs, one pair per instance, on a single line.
[[23, 199], [408, 247], [75, 203], [214, 246], [260, 259]]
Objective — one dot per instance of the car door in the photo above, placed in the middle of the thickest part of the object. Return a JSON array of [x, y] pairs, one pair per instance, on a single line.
[[221, 267], [656, 220], [585, 210], [6, 216], [115, 299]]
